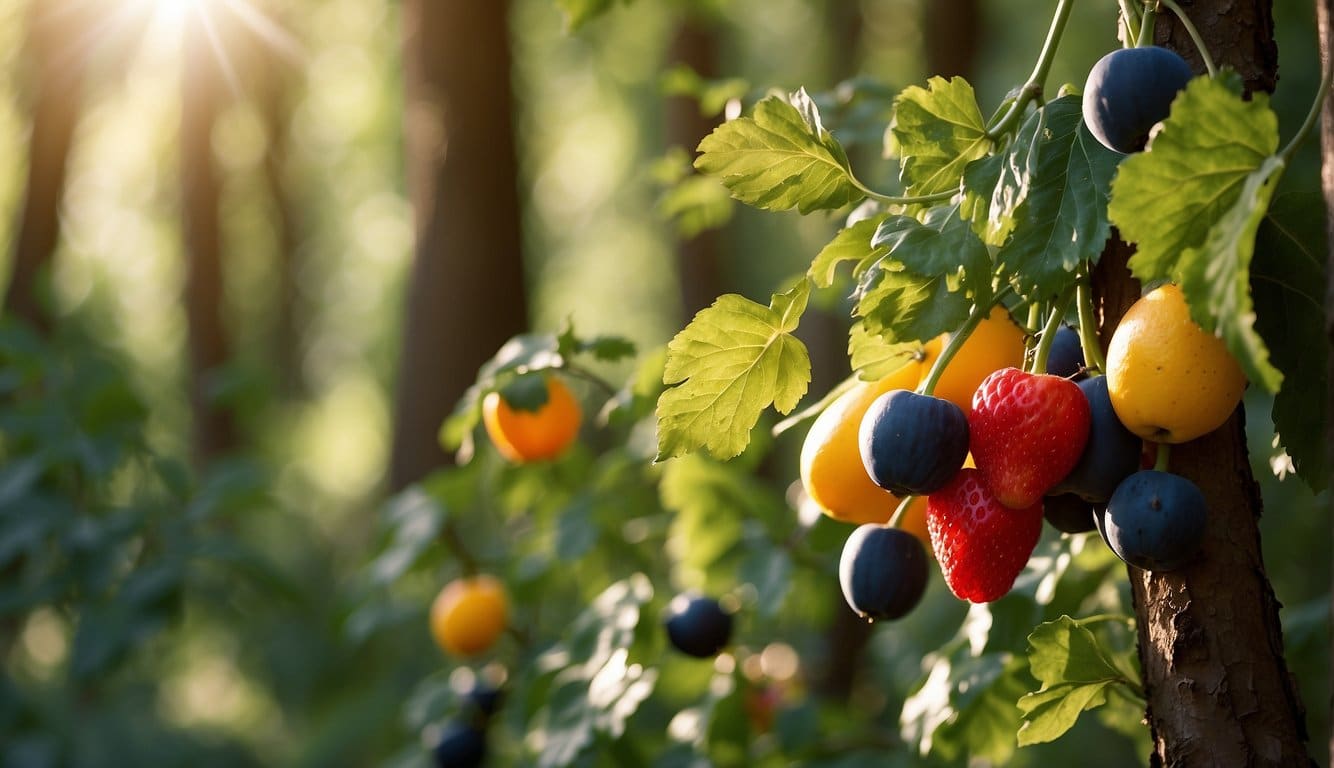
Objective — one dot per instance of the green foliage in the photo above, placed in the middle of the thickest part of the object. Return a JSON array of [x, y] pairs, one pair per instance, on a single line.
[[1075, 671], [780, 157], [937, 130], [1192, 202], [729, 364]]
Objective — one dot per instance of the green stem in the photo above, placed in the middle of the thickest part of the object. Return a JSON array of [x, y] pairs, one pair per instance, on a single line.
[[1088, 327], [1164, 453], [908, 200], [956, 341], [897, 518], [1146, 25], [1053, 325], [1131, 16], [1326, 79], [815, 409], [1194, 36], [1032, 88], [580, 372]]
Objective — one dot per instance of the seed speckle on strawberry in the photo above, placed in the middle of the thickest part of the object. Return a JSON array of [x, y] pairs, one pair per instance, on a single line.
[[981, 544]]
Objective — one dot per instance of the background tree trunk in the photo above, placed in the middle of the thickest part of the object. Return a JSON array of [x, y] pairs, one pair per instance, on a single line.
[[1210, 641], [202, 93], [466, 292], [57, 39], [1325, 19]]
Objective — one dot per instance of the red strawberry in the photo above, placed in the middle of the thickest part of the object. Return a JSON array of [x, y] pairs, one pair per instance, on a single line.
[[981, 544], [1026, 432]]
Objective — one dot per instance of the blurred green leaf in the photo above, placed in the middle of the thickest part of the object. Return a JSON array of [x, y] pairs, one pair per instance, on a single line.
[[731, 362], [1075, 671], [1287, 280], [414, 520], [780, 157]]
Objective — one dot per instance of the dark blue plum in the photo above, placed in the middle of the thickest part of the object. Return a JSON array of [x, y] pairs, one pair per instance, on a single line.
[[1111, 454], [883, 572], [911, 443], [1155, 520], [484, 699], [698, 626], [1130, 90], [461, 745], [1068, 513], [1066, 357]]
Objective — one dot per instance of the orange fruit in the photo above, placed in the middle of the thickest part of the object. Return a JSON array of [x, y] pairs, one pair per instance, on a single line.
[[469, 614], [1169, 381], [996, 343], [831, 461], [914, 522], [522, 436]]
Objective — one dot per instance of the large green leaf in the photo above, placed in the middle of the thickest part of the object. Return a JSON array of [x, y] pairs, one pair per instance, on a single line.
[[1287, 280], [1216, 277], [1075, 671], [731, 362], [780, 157], [938, 130], [904, 307], [1060, 220], [1192, 202]]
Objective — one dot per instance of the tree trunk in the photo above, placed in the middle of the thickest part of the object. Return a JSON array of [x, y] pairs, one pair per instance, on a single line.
[[466, 293], [59, 65], [1325, 18], [202, 87], [1210, 641]]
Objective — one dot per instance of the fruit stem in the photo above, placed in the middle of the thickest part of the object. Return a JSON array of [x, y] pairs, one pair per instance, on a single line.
[[1194, 36], [897, 518], [1053, 325], [581, 372], [815, 409], [1146, 24], [1131, 16], [1164, 453], [1325, 81], [909, 200], [1088, 327], [449, 535], [1032, 88], [980, 311]]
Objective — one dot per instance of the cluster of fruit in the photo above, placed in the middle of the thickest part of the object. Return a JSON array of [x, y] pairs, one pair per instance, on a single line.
[[462, 740], [1024, 445]]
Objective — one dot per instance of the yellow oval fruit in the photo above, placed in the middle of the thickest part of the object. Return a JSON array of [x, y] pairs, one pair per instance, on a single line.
[[831, 462], [1169, 381], [523, 436], [996, 343], [469, 615]]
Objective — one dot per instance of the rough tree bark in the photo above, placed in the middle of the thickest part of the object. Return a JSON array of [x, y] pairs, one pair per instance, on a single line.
[[59, 65], [466, 291], [1210, 641], [202, 92]]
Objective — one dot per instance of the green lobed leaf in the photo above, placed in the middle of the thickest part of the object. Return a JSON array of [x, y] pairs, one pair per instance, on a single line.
[[938, 130], [1216, 278], [780, 157], [1192, 203], [1287, 283], [732, 361], [904, 307], [1060, 220], [852, 243]]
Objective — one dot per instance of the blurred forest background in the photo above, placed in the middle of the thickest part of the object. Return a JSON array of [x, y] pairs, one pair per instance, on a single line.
[[257, 249]]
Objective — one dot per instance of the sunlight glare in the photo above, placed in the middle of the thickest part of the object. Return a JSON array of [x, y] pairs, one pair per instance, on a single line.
[[173, 12]]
